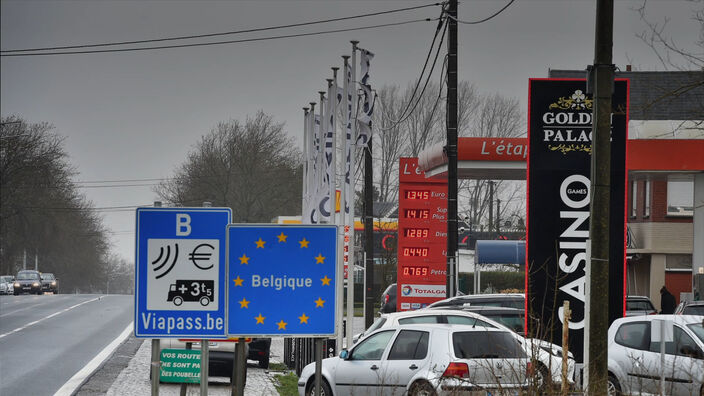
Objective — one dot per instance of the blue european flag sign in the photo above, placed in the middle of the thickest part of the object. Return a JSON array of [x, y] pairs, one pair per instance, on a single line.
[[281, 280]]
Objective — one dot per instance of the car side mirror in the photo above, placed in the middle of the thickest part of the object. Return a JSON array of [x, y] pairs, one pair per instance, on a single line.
[[344, 354]]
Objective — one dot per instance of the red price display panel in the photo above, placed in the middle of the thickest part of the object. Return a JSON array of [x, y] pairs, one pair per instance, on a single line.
[[422, 238]]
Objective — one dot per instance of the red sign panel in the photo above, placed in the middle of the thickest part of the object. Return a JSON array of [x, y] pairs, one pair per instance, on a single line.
[[422, 238]]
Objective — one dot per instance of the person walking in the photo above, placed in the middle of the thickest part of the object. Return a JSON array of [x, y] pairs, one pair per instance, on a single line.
[[667, 301]]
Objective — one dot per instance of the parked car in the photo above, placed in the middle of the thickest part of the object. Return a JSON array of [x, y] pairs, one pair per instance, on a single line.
[[513, 318], [424, 360], [510, 300], [547, 356], [27, 281], [690, 308], [634, 359], [639, 305], [221, 353], [7, 284], [388, 299], [49, 283]]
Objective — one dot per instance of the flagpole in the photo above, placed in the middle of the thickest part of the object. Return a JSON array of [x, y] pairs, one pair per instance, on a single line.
[[321, 160], [353, 161], [304, 178], [312, 178]]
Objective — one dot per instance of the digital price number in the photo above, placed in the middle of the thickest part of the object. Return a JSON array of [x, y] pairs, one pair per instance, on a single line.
[[415, 232], [415, 252], [416, 213], [417, 194], [415, 270]]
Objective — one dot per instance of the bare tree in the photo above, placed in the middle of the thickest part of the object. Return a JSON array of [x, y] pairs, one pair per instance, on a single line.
[[41, 211], [251, 167]]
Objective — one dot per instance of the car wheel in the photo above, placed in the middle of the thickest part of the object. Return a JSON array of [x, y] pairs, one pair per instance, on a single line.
[[612, 386], [204, 301], [178, 301], [324, 388], [264, 363], [542, 380], [422, 388]]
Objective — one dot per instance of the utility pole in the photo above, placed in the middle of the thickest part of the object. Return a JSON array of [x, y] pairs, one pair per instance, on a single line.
[[491, 209], [368, 230], [602, 81], [451, 147]]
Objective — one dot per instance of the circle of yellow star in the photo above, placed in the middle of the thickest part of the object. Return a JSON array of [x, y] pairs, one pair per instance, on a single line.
[[238, 281], [282, 237], [260, 319], [319, 302], [326, 281], [304, 318], [244, 259], [304, 243], [319, 259], [260, 243], [244, 303], [282, 325]]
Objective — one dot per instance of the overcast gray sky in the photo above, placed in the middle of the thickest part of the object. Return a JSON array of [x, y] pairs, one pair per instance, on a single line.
[[136, 115]]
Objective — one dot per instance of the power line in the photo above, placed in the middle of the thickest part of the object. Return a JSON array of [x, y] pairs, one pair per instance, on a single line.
[[422, 72], [220, 33], [427, 80], [487, 18], [218, 42]]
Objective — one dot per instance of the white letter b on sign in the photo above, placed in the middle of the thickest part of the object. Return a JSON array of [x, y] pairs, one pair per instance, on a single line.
[[183, 224]]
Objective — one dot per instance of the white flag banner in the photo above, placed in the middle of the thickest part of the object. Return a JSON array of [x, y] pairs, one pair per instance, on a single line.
[[364, 120], [348, 138]]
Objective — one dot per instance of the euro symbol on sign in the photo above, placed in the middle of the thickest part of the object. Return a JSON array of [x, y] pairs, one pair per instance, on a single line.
[[195, 256]]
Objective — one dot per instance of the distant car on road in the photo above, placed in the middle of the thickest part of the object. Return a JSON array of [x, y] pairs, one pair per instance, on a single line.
[[639, 305], [690, 308], [634, 359], [49, 283], [421, 359], [6, 284], [28, 281]]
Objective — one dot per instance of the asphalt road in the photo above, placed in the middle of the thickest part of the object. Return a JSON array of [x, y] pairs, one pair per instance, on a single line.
[[45, 340]]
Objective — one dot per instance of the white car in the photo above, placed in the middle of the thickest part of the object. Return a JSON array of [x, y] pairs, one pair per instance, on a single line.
[[634, 360], [425, 360], [6, 284], [547, 355]]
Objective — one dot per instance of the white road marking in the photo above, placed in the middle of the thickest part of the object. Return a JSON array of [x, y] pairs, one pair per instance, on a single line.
[[47, 317], [81, 376], [20, 310]]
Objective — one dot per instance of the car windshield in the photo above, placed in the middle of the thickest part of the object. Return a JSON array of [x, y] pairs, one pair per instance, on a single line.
[[26, 276], [698, 330], [513, 322], [5, 278], [693, 310], [377, 323], [47, 276], [486, 344]]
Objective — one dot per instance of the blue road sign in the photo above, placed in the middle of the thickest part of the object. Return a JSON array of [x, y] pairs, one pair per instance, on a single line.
[[180, 272], [281, 280]]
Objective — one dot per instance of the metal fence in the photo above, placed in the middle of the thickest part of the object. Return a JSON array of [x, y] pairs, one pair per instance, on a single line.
[[298, 352]]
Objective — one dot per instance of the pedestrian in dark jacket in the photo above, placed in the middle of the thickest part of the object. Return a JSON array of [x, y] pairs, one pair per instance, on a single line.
[[667, 301]]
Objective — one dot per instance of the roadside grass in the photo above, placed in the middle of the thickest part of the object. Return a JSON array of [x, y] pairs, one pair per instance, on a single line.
[[287, 384]]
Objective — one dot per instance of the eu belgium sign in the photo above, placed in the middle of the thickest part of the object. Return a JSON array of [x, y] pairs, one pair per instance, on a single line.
[[281, 280], [180, 272]]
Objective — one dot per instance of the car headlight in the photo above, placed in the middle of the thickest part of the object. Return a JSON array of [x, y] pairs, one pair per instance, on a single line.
[[53, 283], [17, 284], [35, 284]]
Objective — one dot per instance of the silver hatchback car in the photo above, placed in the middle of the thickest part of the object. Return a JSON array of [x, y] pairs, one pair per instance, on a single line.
[[635, 360], [440, 359]]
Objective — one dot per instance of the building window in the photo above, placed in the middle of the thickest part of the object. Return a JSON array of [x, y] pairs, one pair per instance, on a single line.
[[634, 197], [646, 207], [680, 196], [678, 262]]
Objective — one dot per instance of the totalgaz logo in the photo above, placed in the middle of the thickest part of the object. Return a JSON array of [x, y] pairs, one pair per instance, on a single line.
[[406, 290]]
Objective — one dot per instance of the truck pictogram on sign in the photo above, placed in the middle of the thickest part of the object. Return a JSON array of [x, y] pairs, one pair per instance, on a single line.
[[191, 291]]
